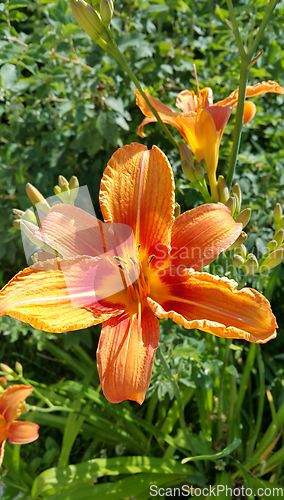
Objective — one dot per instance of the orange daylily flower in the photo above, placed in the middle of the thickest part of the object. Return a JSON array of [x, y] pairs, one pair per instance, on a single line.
[[19, 432], [158, 270], [202, 123]]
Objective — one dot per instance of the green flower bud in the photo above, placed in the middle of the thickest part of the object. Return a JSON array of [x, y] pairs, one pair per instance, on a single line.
[[185, 154], [177, 210], [188, 171], [279, 236], [199, 172], [272, 260], [244, 217], [236, 190], [106, 11], [231, 203], [251, 265], [6, 369], [238, 261], [272, 245], [63, 183], [241, 250], [37, 198], [73, 183], [239, 241], [19, 368], [223, 189], [87, 18], [17, 213], [277, 215]]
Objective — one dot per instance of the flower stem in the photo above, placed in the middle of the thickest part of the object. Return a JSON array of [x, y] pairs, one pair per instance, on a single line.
[[124, 64], [246, 57], [239, 120]]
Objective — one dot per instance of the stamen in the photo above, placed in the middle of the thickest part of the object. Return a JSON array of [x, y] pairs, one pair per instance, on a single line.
[[195, 75]]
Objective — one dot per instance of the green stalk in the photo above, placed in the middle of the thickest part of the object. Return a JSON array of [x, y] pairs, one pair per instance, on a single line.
[[178, 399], [271, 6], [122, 61], [221, 391], [239, 120], [261, 398], [246, 63]]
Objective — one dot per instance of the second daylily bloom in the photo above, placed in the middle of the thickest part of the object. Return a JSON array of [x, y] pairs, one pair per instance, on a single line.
[[17, 432], [128, 282], [202, 123]]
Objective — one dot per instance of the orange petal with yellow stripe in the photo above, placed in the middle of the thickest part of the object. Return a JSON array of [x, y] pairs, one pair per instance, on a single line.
[[125, 356], [201, 234], [137, 189], [214, 305], [59, 295]]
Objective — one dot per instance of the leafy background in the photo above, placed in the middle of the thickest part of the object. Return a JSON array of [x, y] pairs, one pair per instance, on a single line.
[[65, 107]]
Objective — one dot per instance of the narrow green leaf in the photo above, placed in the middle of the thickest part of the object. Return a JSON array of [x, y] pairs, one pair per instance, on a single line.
[[221, 454]]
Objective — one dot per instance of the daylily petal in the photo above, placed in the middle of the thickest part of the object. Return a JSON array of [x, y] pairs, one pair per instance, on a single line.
[[125, 356], [21, 432], [2, 449], [214, 305], [201, 234], [11, 401], [251, 91], [3, 429], [166, 114], [71, 231], [58, 295], [132, 176], [207, 138], [249, 111], [187, 101]]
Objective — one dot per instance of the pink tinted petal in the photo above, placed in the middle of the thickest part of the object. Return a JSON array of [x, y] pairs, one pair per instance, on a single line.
[[11, 401], [71, 232], [21, 432], [125, 356]]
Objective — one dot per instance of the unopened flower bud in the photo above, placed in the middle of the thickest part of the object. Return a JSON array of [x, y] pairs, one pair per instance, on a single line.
[[244, 217], [239, 241], [19, 368], [17, 213], [277, 215], [73, 183], [188, 171], [185, 153], [236, 190], [272, 260], [279, 236], [63, 183], [272, 245], [57, 190], [199, 172], [223, 189], [87, 18], [251, 265], [238, 261], [241, 250], [231, 203], [6, 369], [177, 210], [106, 11], [37, 198]]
